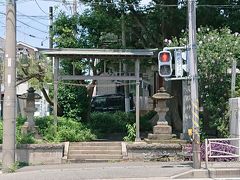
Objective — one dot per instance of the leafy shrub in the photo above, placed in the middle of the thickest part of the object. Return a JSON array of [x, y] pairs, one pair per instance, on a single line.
[[108, 122], [20, 121], [131, 132], [20, 138], [43, 124], [67, 130], [118, 122], [145, 123], [74, 101], [25, 138]]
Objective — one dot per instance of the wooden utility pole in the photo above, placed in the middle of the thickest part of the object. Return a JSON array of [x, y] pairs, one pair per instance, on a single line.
[[194, 83], [9, 106]]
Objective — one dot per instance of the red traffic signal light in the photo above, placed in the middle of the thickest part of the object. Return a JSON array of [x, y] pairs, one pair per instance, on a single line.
[[165, 56], [165, 63]]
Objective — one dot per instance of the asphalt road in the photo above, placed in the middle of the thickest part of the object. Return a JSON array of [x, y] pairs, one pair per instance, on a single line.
[[120, 170]]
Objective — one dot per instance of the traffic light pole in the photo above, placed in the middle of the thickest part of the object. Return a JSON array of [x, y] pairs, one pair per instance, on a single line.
[[9, 106], [194, 83]]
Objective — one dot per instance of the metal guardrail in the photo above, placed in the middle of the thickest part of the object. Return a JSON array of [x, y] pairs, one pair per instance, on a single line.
[[230, 148]]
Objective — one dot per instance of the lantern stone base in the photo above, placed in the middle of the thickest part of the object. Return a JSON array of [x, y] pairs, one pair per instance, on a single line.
[[166, 141], [162, 133], [161, 136], [30, 129], [162, 129]]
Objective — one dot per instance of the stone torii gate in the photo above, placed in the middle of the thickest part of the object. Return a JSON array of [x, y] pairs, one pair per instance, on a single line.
[[113, 54]]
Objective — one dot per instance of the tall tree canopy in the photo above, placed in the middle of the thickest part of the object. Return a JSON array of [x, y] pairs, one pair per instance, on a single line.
[[103, 23]]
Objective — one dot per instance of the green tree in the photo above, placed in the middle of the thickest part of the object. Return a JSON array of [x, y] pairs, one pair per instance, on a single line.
[[99, 26], [216, 49]]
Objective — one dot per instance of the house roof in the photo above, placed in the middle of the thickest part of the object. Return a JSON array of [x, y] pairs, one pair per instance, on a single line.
[[27, 45], [2, 44], [101, 53]]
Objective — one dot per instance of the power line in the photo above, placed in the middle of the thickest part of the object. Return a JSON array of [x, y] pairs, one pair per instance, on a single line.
[[30, 35], [29, 25], [32, 27], [33, 16], [29, 17], [40, 7], [129, 4]]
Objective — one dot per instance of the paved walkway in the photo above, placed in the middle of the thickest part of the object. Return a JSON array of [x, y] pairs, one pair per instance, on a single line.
[[111, 170], [119, 170]]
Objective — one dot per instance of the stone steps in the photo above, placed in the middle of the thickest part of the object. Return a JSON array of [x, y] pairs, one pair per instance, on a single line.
[[94, 152], [94, 148], [94, 156], [102, 143]]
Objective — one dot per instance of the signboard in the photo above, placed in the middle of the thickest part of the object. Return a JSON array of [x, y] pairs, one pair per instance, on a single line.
[[178, 63]]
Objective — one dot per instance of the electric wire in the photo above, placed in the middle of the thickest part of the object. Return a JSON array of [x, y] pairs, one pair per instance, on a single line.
[[30, 35], [112, 3], [33, 19], [32, 27], [40, 7], [29, 25]]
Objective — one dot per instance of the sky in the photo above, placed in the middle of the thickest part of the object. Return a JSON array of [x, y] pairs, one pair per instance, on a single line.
[[33, 19]]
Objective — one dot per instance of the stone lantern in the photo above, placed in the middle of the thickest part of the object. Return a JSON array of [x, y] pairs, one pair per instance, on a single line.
[[30, 108], [161, 131]]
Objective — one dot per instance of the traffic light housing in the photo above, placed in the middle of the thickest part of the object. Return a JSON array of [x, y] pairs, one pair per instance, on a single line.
[[165, 63]]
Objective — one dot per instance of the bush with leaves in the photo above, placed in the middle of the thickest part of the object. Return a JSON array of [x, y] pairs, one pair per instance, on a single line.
[[118, 122], [108, 122], [131, 132], [20, 138], [145, 121], [74, 102], [25, 138], [67, 130]]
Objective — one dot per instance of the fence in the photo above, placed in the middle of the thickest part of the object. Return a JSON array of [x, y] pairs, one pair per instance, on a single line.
[[226, 149]]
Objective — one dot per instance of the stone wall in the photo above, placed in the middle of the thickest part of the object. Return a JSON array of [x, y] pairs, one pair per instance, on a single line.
[[157, 152], [38, 153]]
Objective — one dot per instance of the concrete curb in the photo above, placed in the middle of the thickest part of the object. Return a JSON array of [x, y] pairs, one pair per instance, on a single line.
[[209, 173], [195, 173]]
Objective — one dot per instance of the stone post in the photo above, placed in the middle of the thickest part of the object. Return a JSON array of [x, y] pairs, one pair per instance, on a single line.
[[30, 96]]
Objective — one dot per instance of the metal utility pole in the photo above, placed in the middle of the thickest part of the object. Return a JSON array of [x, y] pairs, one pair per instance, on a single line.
[[50, 27], [9, 106], [194, 83]]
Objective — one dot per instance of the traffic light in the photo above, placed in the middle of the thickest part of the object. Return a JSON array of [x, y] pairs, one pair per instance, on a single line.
[[165, 63]]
